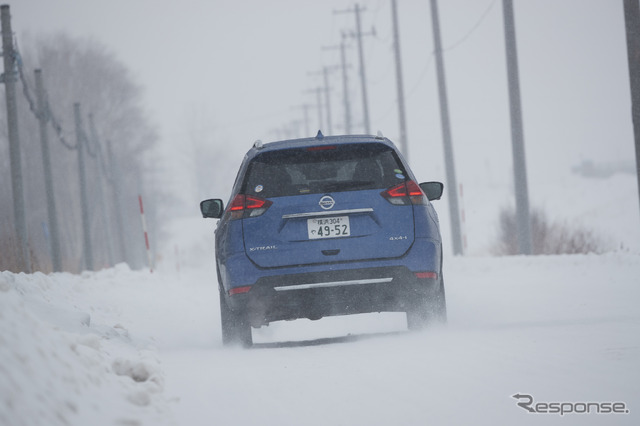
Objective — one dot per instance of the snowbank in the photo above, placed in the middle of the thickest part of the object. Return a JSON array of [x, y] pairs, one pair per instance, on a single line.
[[122, 347], [66, 358]]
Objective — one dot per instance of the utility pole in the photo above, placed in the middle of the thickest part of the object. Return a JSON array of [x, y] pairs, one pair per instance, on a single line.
[[101, 192], [327, 98], [295, 128], [345, 87], [319, 97], [452, 185], [404, 145], [43, 120], [318, 92], [345, 84], [363, 79], [117, 203], [84, 204], [632, 24], [305, 109], [17, 186], [517, 134]]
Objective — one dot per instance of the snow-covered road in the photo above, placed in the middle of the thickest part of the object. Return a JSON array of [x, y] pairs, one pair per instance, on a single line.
[[562, 329], [557, 328]]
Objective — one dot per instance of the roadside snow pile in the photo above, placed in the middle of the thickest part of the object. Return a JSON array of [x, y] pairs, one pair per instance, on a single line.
[[122, 347], [65, 357]]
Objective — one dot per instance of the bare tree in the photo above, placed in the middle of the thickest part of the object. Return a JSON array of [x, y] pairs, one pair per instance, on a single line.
[[84, 71], [548, 237]]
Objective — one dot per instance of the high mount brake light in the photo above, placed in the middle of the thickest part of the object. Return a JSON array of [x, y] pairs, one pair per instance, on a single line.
[[248, 206], [321, 148], [404, 194]]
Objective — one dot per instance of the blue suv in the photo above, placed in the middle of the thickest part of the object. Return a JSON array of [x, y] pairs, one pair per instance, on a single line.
[[326, 226]]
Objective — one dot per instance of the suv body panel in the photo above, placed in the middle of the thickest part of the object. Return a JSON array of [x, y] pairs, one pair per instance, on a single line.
[[387, 244], [280, 236]]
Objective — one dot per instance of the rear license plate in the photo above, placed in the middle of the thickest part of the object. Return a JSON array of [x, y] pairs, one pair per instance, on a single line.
[[328, 227]]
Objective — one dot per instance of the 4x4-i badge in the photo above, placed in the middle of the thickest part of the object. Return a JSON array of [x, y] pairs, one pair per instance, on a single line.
[[327, 202]]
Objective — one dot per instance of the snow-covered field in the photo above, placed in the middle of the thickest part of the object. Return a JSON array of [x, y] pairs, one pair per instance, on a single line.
[[122, 347]]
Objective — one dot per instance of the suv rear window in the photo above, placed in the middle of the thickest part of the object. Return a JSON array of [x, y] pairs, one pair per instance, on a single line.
[[323, 169]]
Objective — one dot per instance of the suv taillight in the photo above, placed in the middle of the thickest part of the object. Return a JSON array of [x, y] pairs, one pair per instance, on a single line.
[[404, 194], [244, 206]]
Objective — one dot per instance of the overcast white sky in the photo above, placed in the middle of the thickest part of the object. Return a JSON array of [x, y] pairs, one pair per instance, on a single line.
[[242, 68]]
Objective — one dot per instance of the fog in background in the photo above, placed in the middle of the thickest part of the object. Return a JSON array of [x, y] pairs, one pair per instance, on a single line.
[[217, 75]]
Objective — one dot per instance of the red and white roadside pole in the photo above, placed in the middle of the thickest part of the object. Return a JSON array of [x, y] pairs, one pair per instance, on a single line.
[[146, 236]]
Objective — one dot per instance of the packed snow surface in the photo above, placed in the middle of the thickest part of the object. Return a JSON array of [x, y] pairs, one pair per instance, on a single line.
[[123, 347]]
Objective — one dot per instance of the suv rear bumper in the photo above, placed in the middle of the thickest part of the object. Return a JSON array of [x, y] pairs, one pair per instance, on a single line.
[[238, 270], [314, 295]]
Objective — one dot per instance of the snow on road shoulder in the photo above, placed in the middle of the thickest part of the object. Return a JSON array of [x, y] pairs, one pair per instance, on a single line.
[[560, 328], [129, 347], [486, 291], [66, 357]]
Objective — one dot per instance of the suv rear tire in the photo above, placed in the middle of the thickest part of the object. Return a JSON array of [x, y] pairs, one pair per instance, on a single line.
[[429, 309], [236, 330]]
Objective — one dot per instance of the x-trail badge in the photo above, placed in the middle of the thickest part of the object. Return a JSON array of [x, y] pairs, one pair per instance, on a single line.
[[327, 202]]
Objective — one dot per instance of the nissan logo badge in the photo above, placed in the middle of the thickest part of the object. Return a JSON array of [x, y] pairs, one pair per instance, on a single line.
[[327, 202]]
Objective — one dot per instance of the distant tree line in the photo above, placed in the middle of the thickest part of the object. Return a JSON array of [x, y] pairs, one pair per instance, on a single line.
[[119, 158]]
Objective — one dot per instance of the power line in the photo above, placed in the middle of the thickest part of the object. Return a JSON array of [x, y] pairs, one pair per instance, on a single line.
[[472, 30], [58, 128], [26, 90], [427, 66], [345, 82], [40, 113], [363, 80]]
